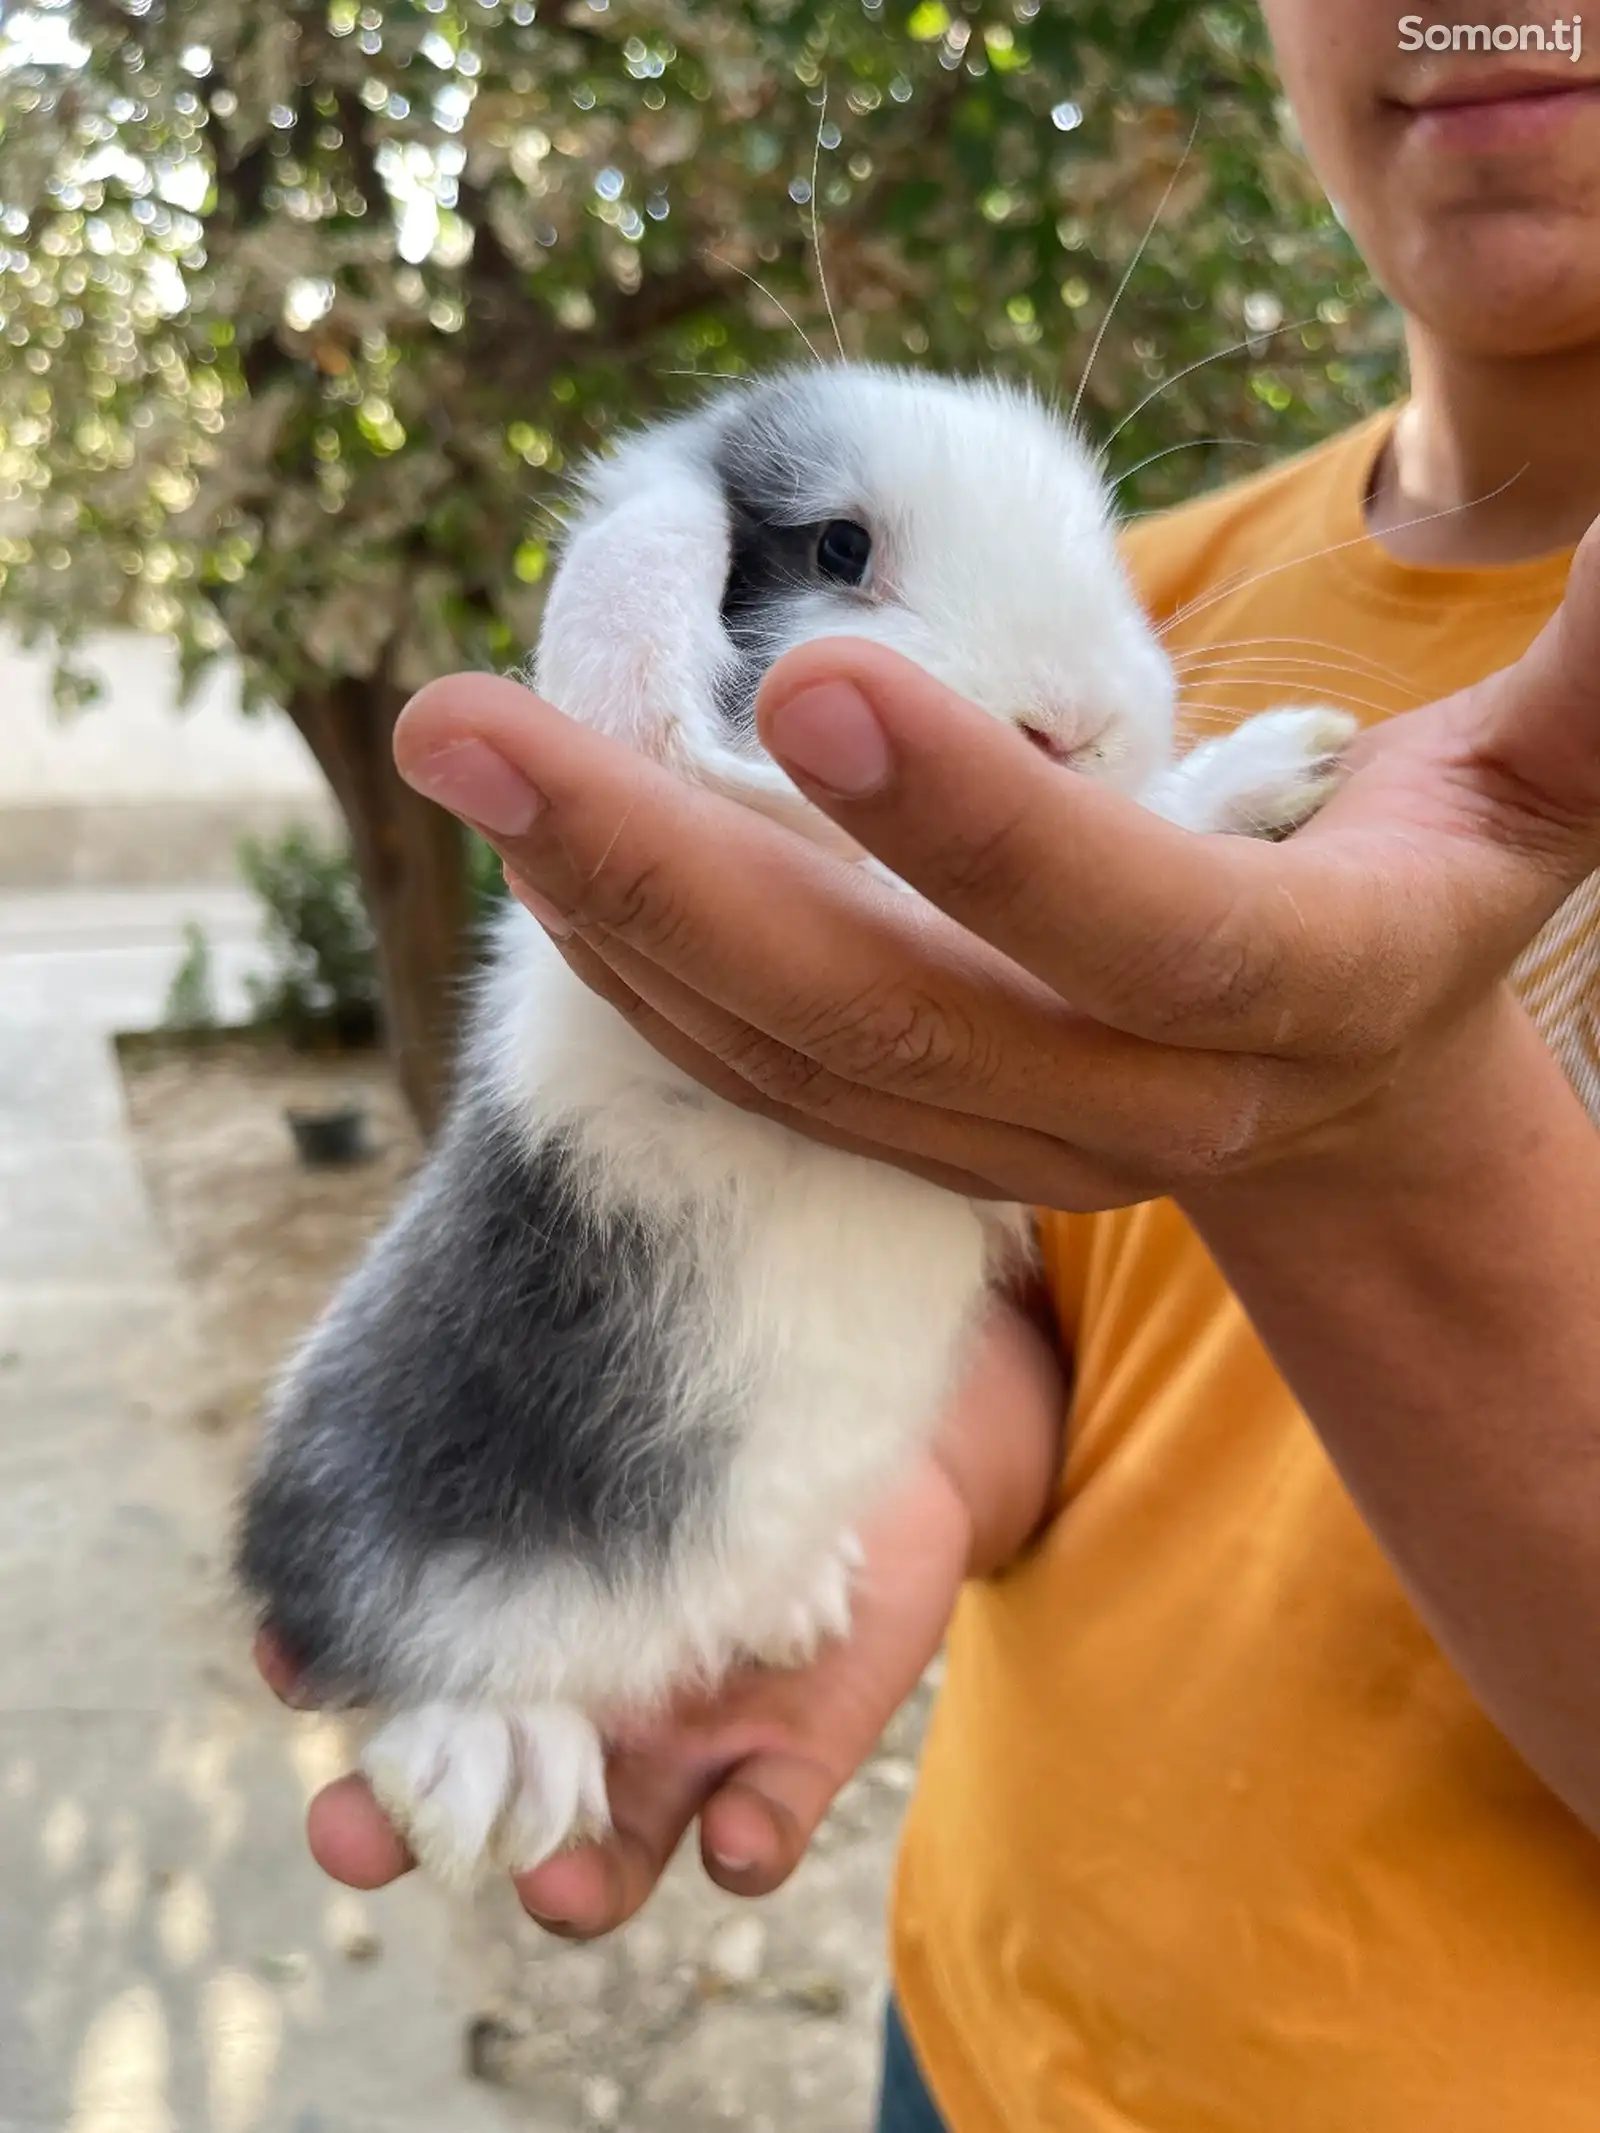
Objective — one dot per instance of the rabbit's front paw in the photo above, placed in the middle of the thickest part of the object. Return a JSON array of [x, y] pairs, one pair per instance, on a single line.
[[1262, 780], [559, 1794], [472, 1791], [819, 1614]]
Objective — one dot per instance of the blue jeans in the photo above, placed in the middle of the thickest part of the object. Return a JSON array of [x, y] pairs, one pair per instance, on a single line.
[[904, 2105]]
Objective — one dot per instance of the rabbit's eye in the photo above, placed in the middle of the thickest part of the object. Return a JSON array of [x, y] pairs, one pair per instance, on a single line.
[[843, 551]]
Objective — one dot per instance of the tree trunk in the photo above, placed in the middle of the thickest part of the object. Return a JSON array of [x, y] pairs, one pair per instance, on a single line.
[[411, 859]]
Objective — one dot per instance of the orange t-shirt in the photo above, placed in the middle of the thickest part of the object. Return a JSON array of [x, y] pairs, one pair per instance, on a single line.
[[1209, 1836]]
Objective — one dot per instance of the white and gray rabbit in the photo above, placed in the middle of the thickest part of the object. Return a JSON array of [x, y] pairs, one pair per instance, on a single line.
[[598, 1413]]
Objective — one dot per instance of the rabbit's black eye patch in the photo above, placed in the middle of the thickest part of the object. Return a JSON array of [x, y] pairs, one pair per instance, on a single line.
[[844, 550]]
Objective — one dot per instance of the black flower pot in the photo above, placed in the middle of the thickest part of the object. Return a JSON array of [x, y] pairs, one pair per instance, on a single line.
[[325, 1138]]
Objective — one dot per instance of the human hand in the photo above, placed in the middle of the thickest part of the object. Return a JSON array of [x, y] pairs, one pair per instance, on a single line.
[[1091, 1006], [759, 1761]]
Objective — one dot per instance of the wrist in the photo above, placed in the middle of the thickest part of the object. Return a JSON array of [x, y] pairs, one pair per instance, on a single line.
[[1425, 1132], [1467, 1150]]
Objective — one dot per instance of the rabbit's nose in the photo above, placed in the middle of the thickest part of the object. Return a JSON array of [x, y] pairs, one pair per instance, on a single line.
[[1080, 754], [1046, 743]]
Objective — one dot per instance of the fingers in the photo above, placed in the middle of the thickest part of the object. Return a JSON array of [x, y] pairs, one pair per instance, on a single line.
[[756, 1823], [348, 1833], [1145, 927], [278, 1671], [758, 1826], [1216, 944], [749, 916], [1141, 1118], [961, 1153], [760, 1758], [351, 1839], [674, 1041], [598, 1887], [843, 981], [588, 1891], [757, 1829]]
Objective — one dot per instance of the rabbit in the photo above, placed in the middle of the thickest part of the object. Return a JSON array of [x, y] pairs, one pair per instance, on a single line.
[[599, 1413]]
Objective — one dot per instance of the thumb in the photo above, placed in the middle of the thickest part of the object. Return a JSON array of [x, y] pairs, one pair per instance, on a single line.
[[1534, 733], [1142, 925]]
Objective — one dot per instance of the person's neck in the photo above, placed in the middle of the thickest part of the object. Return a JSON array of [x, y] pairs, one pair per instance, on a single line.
[[1500, 459]]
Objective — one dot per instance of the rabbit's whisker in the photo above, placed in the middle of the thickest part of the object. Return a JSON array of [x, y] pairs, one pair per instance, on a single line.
[[1193, 444], [1231, 588], [1217, 356], [1377, 668], [1144, 241], [1283, 674], [776, 302], [1338, 699], [816, 228]]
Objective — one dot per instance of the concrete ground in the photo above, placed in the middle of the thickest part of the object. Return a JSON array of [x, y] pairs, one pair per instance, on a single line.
[[170, 1960]]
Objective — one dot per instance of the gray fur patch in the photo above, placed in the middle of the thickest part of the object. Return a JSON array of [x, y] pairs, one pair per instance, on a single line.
[[498, 1373], [773, 451]]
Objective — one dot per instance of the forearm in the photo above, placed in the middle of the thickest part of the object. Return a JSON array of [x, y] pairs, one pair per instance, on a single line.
[[1001, 1442], [1434, 1302]]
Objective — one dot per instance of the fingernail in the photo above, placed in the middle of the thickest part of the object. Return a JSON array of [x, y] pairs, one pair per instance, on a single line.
[[537, 906], [733, 1862], [831, 736], [471, 780]]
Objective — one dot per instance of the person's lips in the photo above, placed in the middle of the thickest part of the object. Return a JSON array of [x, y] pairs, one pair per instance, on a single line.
[[1492, 108]]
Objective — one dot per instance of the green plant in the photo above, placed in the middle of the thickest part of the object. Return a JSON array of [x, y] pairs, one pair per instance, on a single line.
[[323, 980], [486, 881], [191, 1001]]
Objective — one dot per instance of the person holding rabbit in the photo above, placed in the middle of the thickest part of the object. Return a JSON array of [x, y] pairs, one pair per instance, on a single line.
[[1264, 1787]]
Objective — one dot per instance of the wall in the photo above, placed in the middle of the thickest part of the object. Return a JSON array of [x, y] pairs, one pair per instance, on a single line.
[[134, 791]]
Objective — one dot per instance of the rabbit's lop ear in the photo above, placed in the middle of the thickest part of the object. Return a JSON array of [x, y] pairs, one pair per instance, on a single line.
[[632, 638], [633, 645]]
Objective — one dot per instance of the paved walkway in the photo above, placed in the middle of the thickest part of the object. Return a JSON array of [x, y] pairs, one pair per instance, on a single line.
[[170, 1960]]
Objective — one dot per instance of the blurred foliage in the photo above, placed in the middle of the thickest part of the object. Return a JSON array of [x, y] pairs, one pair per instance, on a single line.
[[307, 303], [486, 881], [322, 981], [191, 1002]]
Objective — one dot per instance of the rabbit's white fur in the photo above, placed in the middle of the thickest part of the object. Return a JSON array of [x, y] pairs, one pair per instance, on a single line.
[[794, 1318]]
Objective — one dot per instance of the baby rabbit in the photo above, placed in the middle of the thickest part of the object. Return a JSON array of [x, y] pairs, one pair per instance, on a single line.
[[598, 1412]]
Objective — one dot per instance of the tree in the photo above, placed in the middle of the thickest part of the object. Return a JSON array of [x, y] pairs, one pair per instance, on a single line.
[[308, 303]]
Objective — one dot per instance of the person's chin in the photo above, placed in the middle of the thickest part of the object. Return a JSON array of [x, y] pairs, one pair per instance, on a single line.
[[1510, 286]]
